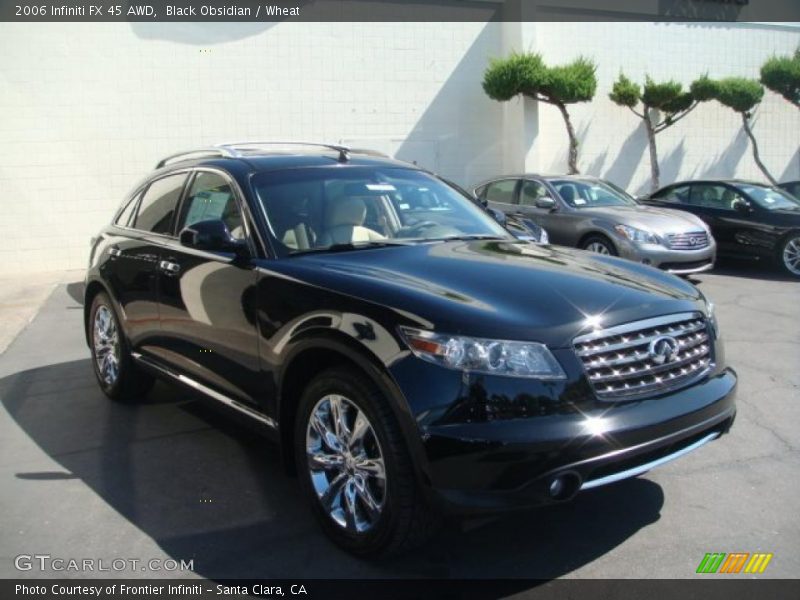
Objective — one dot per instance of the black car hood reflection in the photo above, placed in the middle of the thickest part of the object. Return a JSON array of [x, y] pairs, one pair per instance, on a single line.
[[497, 289]]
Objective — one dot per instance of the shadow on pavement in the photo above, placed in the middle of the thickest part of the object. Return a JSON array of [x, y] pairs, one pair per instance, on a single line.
[[76, 291], [751, 269], [207, 488]]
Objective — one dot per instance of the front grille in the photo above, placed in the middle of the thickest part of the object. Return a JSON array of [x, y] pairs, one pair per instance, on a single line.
[[693, 240], [619, 363]]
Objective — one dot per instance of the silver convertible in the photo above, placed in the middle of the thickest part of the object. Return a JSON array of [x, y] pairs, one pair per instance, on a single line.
[[596, 215]]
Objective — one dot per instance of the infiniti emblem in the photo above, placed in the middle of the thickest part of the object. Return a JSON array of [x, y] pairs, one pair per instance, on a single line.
[[663, 349], [694, 241]]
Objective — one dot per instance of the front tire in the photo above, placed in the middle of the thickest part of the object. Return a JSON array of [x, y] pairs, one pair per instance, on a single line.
[[789, 255], [355, 469], [116, 373], [599, 244]]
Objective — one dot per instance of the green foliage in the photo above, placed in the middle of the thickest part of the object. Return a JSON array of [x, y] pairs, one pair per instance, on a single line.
[[517, 74], [573, 82], [661, 95], [781, 74], [526, 73], [739, 93], [625, 92], [704, 88]]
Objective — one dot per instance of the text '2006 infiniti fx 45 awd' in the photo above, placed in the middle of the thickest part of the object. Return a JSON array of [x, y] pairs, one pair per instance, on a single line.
[[412, 359]]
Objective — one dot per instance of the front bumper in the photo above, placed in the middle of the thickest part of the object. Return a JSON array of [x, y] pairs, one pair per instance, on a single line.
[[679, 262], [502, 465]]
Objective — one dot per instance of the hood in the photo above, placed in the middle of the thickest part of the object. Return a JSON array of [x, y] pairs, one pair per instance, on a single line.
[[497, 289], [659, 220]]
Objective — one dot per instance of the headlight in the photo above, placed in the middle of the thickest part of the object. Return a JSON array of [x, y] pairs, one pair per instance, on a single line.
[[493, 357], [641, 236]]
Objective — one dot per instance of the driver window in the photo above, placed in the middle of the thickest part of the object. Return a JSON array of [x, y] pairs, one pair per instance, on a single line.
[[211, 197], [531, 191], [714, 196]]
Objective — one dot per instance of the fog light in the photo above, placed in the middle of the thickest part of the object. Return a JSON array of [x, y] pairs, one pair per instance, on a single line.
[[556, 487]]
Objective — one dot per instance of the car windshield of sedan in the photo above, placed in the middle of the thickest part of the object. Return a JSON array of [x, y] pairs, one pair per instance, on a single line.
[[771, 198], [591, 194], [346, 208]]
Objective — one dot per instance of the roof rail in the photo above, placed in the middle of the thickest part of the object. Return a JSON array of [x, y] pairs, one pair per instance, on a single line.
[[240, 150], [210, 152], [236, 147]]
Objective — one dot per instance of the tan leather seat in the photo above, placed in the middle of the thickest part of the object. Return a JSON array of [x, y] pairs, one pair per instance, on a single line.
[[345, 224]]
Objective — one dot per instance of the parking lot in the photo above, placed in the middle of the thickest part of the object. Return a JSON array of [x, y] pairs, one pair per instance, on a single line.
[[173, 478]]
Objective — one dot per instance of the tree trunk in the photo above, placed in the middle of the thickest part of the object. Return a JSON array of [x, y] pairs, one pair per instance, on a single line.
[[572, 159], [655, 172], [756, 157]]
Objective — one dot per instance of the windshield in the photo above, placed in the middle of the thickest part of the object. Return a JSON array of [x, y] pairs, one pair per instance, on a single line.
[[591, 194], [340, 208], [771, 198]]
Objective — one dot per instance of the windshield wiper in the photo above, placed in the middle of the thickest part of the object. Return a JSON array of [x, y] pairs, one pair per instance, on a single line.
[[348, 246], [466, 238]]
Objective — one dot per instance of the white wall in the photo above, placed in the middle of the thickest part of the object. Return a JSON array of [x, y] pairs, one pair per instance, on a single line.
[[88, 109], [709, 142]]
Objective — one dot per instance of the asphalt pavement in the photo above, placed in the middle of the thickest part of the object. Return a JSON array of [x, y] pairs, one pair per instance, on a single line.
[[173, 478]]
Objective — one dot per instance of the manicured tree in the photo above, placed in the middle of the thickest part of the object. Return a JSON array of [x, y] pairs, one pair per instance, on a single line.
[[781, 74], [743, 95], [526, 74], [662, 105]]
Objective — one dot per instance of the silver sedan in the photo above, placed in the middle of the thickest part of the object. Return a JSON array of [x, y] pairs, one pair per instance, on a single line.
[[595, 215]]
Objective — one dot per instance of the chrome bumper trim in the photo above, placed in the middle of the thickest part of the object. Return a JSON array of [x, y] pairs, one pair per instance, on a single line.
[[632, 472]]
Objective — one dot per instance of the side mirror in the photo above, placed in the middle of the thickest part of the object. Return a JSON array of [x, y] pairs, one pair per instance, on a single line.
[[740, 205], [212, 236], [546, 203], [498, 215]]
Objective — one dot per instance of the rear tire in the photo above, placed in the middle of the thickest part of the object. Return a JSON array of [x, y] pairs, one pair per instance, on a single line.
[[789, 255], [356, 470], [599, 244], [116, 373]]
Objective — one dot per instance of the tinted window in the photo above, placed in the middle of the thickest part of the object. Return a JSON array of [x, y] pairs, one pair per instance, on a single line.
[[674, 195], [709, 195], [771, 198], [158, 204], [531, 191], [590, 194], [501, 191], [124, 217], [315, 209], [211, 197], [793, 188]]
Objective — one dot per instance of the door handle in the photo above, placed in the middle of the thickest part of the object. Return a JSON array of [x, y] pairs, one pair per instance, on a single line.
[[114, 251], [169, 266]]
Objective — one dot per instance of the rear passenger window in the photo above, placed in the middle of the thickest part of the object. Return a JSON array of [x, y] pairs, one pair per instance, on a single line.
[[159, 203], [675, 195], [501, 191]]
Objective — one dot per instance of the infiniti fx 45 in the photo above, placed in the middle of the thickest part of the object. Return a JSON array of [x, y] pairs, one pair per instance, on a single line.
[[412, 359]]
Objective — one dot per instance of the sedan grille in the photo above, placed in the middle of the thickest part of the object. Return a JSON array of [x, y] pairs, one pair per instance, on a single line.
[[646, 357], [693, 240]]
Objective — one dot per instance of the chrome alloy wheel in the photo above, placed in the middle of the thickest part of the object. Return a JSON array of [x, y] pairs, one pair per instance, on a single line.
[[345, 463], [106, 344], [791, 255], [598, 247]]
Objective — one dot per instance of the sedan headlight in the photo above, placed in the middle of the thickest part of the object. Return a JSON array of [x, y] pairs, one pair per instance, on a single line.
[[493, 357], [711, 316], [544, 238], [639, 236]]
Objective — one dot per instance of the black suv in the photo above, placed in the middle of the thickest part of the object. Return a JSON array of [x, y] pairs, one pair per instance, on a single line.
[[411, 357]]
